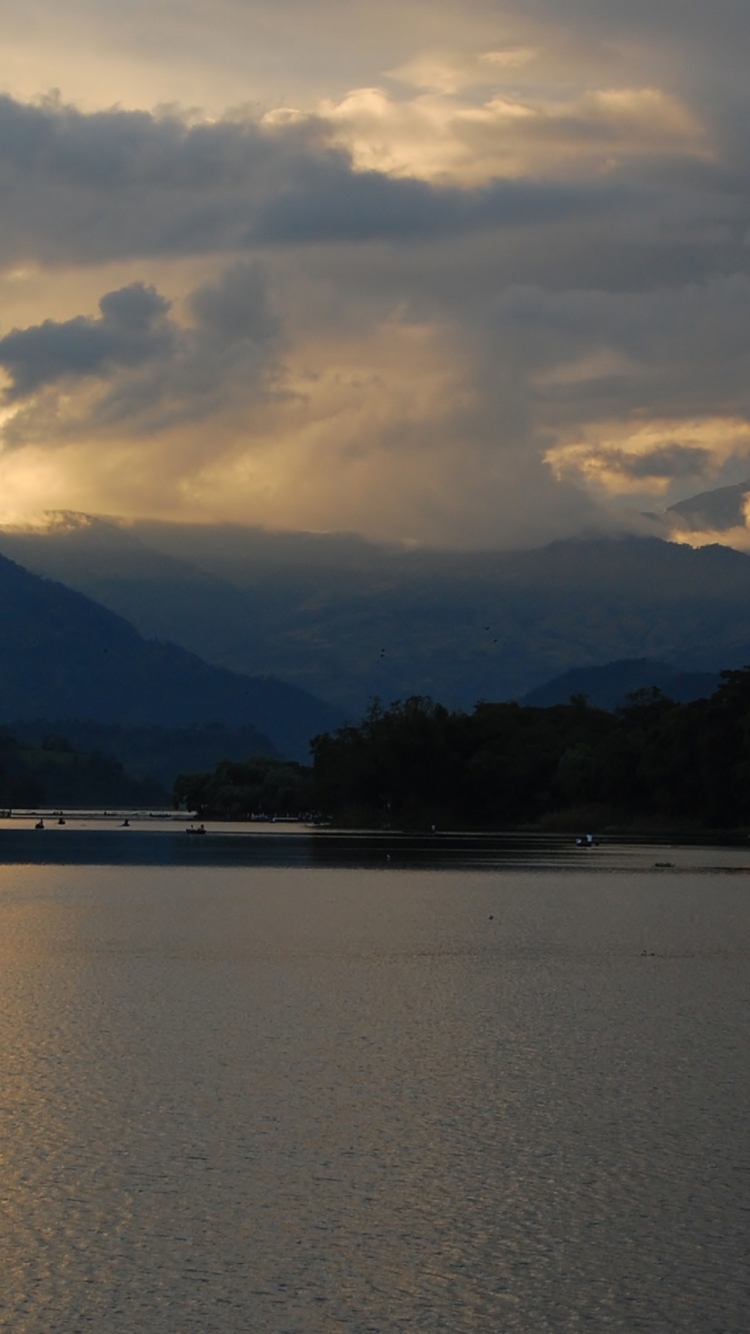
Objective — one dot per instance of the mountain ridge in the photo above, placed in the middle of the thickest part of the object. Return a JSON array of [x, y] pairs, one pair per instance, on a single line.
[[64, 655], [347, 620], [608, 685]]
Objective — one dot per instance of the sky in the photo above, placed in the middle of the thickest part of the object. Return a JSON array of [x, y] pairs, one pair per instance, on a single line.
[[466, 275]]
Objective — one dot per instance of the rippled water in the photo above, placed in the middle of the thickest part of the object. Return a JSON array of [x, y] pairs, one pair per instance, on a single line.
[[308, 1099]]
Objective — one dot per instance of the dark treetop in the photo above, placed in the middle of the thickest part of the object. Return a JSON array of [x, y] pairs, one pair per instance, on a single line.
[[418, 764]]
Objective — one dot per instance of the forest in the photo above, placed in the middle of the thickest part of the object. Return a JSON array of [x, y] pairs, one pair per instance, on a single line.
[[418, 764], [52, 773]]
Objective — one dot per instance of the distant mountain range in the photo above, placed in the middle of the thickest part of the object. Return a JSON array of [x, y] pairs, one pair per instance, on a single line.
[[64, 656], [609, 685], [346, 619]]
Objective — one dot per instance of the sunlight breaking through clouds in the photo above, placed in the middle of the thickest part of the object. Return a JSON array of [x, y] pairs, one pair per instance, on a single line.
[[438, 137], [637, 458], [467, 277]]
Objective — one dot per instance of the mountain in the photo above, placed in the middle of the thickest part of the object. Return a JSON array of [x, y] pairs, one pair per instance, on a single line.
[[608, 685], [64, 656], [347, 619]]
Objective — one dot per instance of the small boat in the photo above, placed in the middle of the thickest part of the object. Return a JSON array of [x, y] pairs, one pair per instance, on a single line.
[[39, 824], [196, 832]]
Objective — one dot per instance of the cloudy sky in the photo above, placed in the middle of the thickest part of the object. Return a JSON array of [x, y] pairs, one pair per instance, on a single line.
[[464, 274]]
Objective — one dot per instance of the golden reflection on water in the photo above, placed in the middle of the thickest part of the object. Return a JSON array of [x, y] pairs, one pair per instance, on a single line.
[[292, 1100]]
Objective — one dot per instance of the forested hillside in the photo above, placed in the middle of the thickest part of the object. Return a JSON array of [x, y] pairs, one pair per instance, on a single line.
[[64, 656], [54, 774], [348, 619]]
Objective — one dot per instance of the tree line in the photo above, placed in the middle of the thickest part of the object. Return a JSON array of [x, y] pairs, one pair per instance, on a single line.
[[417, 764], [54, 774]]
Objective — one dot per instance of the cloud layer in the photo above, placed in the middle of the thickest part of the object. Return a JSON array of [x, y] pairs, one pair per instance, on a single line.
[[496, 288]]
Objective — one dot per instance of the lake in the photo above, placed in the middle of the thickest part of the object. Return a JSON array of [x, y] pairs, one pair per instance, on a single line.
[[307, 1084]]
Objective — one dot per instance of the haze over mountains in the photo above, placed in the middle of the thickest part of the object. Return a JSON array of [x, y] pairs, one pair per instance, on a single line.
[[347, 619], [64, 657], [609, 686]]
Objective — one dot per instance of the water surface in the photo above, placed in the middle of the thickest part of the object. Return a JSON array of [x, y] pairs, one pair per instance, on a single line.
[[310, 1098]]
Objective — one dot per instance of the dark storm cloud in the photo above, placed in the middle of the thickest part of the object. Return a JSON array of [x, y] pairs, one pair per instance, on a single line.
[[235, 307], [366, 206], [155, 371], [86, 188], [131, 330]]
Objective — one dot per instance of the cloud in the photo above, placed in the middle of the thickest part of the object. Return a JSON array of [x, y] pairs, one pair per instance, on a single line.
[[370, 206], [153, 371], [451, 71], [664, 463], [474, 275], [130, 331], [389, 432], [220, 53], [644, 458], [344, 397], [223, 52], [236, 307], [89, 188], [511, 134]]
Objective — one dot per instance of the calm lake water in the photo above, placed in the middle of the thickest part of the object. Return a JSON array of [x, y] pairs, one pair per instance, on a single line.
[[496, 1087]]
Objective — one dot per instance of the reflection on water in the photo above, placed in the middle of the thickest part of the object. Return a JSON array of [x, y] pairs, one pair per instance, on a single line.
[[97, 841], [303, 1099]]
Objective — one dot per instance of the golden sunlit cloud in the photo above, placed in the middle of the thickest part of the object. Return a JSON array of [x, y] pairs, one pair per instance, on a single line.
[[436, 136], [452, 275], [621, 458], [737, 537], [449, 72], [351, 440]]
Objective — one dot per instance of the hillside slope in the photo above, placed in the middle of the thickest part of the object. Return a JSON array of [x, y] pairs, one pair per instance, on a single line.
[[347, 619], [64, 656], [608, 686]]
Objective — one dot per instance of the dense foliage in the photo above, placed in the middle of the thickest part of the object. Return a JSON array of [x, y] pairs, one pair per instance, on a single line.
[[418, 764], [241, 789], [54, 774], [158, 753]]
